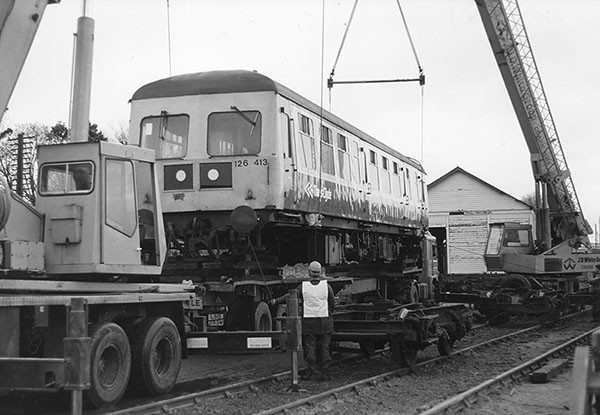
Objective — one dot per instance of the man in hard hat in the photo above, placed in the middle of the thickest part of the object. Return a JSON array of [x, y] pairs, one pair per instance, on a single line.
[[318, 303]]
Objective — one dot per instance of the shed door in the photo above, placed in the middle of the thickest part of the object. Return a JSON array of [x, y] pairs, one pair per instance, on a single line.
[[467, 235]]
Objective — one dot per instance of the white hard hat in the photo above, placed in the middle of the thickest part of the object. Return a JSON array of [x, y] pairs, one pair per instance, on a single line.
[[314, 267]]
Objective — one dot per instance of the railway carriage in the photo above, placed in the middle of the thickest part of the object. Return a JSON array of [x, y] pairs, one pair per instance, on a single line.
[[255, 177]]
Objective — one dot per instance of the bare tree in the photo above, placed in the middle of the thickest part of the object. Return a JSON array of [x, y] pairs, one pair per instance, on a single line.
[[529, 199], [120, 133]]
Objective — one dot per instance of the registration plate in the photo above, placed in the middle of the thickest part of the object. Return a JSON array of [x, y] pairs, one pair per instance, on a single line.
[[216, 319]]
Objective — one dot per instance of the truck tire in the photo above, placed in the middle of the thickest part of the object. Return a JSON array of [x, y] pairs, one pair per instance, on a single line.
[[262, 318], [110, 365], [156, 356], [515, 281]]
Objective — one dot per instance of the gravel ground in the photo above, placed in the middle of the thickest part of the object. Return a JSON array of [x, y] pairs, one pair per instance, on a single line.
[[411, 394]]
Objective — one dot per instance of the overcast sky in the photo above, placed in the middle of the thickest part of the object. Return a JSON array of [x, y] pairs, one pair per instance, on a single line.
[[462, 117]]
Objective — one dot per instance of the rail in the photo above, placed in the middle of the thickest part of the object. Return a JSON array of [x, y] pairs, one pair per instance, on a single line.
[[586, 376], [180, 402]]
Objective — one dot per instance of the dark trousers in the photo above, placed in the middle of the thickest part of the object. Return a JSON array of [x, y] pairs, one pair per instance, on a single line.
[[316, 351]]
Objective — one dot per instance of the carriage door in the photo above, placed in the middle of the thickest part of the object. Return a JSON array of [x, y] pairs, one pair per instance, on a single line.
[[120, 244], [288, 133], [359, 154]]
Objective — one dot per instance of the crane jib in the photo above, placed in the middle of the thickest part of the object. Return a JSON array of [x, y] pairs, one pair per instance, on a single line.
[[508, 38]]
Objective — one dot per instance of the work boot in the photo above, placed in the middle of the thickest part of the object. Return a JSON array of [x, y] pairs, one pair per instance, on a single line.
[[309, 374], [324, 375]]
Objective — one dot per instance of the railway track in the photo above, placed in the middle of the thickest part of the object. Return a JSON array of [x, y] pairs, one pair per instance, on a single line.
[[268, 395], [471, 397]]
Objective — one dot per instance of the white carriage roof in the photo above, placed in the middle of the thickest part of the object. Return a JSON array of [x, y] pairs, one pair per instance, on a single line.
[[239, 81]]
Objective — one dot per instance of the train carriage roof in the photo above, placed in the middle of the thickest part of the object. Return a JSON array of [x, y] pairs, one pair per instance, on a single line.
[[239, 81]]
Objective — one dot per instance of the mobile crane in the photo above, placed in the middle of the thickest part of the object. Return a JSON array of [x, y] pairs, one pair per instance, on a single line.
[[561, 258], [77, 308]]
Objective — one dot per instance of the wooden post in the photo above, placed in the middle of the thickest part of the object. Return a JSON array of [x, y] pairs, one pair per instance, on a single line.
[[294, 338]]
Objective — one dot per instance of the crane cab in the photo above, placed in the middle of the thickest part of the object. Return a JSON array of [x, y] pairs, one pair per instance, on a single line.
[[102, 213], [507, 239]]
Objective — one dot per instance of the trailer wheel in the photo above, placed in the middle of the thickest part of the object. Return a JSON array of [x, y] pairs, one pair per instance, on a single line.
[[459, 324], [368, 347], [262, 318], [110, 364], [156, 351], [408, 357], [596, 310], [444, 344]]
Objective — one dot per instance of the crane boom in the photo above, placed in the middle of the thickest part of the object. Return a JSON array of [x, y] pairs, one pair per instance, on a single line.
[[508, 38], [19, 20]]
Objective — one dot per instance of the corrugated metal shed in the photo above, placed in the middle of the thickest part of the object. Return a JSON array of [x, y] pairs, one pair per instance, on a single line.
[[461, 207]]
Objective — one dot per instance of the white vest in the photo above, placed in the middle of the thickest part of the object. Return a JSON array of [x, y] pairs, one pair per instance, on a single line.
[[314, 299]]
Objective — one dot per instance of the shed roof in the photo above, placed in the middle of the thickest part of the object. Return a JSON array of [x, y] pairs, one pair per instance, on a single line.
[[458, 170]]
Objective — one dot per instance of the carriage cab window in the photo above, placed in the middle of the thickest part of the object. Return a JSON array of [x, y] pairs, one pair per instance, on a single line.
[[166, 134], [234, 133]]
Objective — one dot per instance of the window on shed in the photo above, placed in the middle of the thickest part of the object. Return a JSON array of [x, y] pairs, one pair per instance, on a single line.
[[166, 134], [234, 133], [327, 162], [343, 156]]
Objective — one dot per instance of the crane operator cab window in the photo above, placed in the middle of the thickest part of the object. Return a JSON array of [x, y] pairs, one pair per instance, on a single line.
[[67, 178], [516, 237]]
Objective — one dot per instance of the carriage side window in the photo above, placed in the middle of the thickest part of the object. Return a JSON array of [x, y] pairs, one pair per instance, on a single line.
[[309, 156], [235, 133], [66, 178], [422, 189], [396, 182], [355, 162], [306, 125], [372, 157], [327, 162], [373, 171], [407, 184], [385, 175], [166, 134], [343, 156]]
